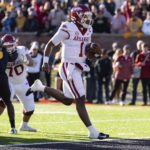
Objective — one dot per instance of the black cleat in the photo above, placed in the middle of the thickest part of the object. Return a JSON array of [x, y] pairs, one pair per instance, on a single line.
[[103, 136], [29, 92]]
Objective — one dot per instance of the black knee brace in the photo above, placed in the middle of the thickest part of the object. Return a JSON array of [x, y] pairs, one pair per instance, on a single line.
[[29, 113], [2, 104]]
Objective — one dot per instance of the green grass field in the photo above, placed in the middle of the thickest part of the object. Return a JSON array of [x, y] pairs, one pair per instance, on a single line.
[[56, 122]]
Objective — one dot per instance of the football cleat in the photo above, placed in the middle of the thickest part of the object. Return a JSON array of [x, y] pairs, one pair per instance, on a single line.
[[36, 86], [13, 131], [122, 103], [103, 136], [27, 128], [100, 136]]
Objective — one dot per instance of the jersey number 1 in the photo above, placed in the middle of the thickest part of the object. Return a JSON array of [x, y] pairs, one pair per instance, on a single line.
[[81, 49]]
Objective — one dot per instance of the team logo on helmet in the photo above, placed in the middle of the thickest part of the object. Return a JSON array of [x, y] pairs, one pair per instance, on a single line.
[[82, 15], [9, 42]]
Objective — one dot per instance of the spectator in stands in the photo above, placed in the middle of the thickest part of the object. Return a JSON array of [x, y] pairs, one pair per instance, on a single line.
[[134, 25], [20, 21], [135, 80], [142, 5], [42, 17], [115, 46], [105, 13], [148, 5], [94, 11], [103, 71], [126, 10], [24, 9], [90, 82], [7, 23], [146, 25], [143, 61], [90, 3], [118, 52], [56, 16], [31, 24], [110, 6], [118, 23], [47, 6], [34, 71], [6, 5], [2, 15], [56, 65], [101, 24], [123, 73]]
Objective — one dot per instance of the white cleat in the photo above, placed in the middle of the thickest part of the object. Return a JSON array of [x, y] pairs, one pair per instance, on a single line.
[[93, 135], [36, 86], [13, 131], [27, 128], [122, 103], [98, 136]]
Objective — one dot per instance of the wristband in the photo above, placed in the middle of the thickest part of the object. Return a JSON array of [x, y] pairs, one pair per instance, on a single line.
[[46, 59]]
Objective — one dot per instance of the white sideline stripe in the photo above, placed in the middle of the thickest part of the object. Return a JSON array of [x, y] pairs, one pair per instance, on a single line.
[[43, 143], [75, 142]]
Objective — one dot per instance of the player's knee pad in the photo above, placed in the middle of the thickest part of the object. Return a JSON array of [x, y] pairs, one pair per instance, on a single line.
[[8, 102], [29, 113], [67, 101], [80, 102], [2, 104]]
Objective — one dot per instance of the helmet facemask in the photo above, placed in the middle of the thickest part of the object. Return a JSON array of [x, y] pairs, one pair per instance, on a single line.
[[11, 48], [86, 20], [82, 16]]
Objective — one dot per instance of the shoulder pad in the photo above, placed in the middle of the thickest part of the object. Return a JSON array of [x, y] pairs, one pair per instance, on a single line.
[[67, 26]]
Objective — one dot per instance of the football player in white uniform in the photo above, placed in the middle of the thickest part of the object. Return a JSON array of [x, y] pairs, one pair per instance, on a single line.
[[16, 71], [74, 36]]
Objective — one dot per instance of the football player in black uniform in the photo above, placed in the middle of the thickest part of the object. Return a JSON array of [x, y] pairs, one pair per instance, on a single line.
[[4, 88]]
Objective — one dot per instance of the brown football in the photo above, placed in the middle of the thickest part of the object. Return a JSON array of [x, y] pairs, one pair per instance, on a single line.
[[91, 49]]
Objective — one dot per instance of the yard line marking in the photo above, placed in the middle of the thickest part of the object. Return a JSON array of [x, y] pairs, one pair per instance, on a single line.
[[52, 112], [66, 122]]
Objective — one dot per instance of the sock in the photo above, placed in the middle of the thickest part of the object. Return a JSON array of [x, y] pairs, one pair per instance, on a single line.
[[12, 123], [24, 123], [42, 88], [92, 130]]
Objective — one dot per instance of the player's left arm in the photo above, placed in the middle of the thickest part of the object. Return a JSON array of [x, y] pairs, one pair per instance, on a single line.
[[30, 61], [27, 58], [60, 36]]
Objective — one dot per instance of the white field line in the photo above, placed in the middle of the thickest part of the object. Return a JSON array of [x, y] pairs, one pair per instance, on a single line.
[[95, 121], [69, 142], [48, 112], [55, 112], [43, 143]]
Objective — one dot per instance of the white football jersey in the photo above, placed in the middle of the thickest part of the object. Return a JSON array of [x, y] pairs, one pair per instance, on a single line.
[[73, 41], [17, 71]]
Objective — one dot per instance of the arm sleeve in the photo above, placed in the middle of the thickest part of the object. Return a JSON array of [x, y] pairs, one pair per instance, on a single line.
[[26, 51], [60, 36]]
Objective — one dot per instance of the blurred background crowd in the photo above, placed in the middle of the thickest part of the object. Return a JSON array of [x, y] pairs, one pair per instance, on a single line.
[[111, 73], [109, 16]]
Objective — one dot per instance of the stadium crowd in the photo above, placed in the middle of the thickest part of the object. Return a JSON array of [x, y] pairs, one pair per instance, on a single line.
[[114, 68], [109, 16], [110, 74]]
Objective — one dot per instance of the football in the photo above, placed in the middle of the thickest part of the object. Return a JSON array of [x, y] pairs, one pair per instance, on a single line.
[[91, 50]]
